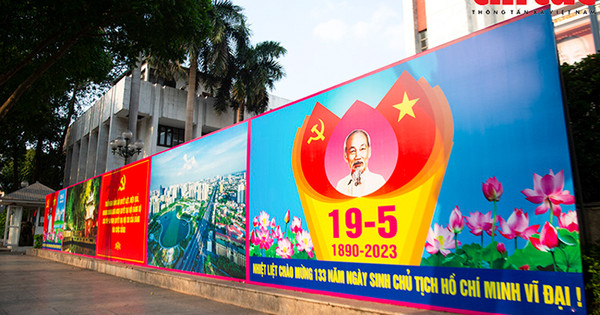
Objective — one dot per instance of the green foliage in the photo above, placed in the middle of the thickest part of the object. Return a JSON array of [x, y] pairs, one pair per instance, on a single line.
[[2, 222], [236, 72], [60, 55], [37, 241], [591, 262], [229, 267], [566, 256], [582, 87]]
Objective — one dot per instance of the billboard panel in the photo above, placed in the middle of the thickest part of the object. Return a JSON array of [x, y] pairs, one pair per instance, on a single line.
[[123, 211], [197, 212], [49, 210], [81, 218], [443, 181], [53, 222]]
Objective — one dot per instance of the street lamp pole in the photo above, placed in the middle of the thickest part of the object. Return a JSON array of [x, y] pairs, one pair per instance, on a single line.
[[121, 145]]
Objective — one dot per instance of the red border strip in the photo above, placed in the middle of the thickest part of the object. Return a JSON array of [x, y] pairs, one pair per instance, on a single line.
[[247, 203]]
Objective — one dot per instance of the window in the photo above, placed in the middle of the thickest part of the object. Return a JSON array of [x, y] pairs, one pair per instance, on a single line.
[[423, 40], [169, 136]]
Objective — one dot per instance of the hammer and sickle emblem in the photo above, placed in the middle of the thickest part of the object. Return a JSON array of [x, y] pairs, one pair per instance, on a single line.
[[122, 182], [317, 132]]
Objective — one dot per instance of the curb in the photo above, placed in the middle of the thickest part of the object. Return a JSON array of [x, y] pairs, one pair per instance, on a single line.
[[263, 299]]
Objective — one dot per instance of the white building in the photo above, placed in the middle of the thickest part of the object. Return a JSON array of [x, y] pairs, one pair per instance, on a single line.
[[161, 121], [436, 22]]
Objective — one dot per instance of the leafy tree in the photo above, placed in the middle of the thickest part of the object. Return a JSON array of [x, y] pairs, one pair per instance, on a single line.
[[36, 35], [38, 126], [237, 73], [259, 70], [58, 55], [582, 87]]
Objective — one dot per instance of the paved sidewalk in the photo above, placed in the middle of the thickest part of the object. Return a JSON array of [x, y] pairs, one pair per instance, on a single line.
[[31, 285]]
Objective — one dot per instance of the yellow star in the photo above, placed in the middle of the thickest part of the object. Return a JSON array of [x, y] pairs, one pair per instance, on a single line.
[[405, 107]]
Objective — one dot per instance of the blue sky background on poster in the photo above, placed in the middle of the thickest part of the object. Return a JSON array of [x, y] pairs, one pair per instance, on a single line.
[[507, 122], [196, 160], [60, 205]]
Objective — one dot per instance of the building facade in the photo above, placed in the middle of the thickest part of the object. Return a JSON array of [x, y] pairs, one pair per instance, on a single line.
[[160, 124], [436, 22]]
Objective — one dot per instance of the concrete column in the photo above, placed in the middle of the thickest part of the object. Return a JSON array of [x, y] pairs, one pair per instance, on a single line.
[[74, 163], [68, 162], [103, 149], [90, 165], [82, 158], [117, 126], [156, 114]]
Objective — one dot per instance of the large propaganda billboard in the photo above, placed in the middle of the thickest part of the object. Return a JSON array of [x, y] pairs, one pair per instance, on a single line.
[[442, 182], [197, 217], [122, 213]]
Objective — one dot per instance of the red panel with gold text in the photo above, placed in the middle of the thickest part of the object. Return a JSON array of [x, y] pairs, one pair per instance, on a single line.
[[123, 212]]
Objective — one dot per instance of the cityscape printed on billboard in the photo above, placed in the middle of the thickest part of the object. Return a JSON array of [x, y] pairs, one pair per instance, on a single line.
[[197, 206]]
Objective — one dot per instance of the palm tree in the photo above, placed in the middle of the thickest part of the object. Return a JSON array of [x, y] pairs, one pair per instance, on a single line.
[[219, 52], [214, 52], [259, 70], [235, 72]]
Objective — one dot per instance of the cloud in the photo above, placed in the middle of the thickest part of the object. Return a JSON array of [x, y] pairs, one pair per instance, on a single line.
[[322, 9], [189, 163], [361, 29], [395, 33], [332, 30], [383, 14]]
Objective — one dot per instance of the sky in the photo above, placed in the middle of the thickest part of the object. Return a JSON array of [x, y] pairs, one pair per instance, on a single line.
[[328, 41], [220, 153]]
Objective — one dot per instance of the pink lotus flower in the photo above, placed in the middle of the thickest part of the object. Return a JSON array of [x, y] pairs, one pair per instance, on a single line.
[[297, 225], [492, 189], [517, 225], [277, 233], [439, 239], [548, 192], [524, 267], [253, 239], [284, 249], [287, 217], [264, 239], [273, 223], [255, 222], [263, 220], [501, 248], [478, 223], [305, 243], [456, 224], [548, 239], [568, 221]]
